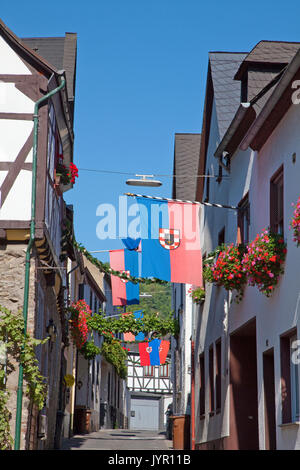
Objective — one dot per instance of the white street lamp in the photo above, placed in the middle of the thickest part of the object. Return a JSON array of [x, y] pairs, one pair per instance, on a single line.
[[144, 181]]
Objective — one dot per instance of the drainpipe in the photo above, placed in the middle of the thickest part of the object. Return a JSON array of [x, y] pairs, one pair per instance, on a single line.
[[29, 248], [192, 394]]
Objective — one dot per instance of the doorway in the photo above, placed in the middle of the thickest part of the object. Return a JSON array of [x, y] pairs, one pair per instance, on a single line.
[[269, 399], [243, 389]]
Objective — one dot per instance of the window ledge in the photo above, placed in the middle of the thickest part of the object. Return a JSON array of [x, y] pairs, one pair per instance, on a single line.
[[293, 423]]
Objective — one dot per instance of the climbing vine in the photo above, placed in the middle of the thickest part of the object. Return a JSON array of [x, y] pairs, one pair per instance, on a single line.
[[20, 348], [83, 323], [116, 355], [128, 323]]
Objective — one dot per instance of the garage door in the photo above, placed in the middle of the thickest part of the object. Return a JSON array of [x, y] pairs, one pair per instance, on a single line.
[[144, 414]]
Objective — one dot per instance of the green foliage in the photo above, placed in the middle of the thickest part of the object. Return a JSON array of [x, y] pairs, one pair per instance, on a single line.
[[114, 353], [6, 440], [198, 295], [160, 302], [127, 323], [89, 350], [20, 348]]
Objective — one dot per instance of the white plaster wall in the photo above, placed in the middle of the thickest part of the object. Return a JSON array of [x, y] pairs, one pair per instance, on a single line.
[[10, 62], [17, 205], [13, 100], [209, 318], [13, 135], [279, 313], [251, 171]]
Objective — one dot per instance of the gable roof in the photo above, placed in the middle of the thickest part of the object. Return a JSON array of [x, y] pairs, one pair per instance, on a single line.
[[269, 52], [227, 91], [268, 88], [186, 158], [61, 53]]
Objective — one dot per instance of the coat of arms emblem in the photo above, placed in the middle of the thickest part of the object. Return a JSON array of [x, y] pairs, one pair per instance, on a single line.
[[169, 238]]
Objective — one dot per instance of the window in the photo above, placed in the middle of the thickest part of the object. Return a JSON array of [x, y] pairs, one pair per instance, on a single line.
[[211, 380], [218, 374], [148, 371], [221, 237], [207, 188], [289, 377], [276, 202], [243, 220], [164, 370], [202, 385]]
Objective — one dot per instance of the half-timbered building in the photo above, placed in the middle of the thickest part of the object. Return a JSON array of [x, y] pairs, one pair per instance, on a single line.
[[150, 392], [29, 70]]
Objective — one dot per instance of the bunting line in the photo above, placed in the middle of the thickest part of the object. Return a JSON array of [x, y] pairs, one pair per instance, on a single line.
[[210, 204]]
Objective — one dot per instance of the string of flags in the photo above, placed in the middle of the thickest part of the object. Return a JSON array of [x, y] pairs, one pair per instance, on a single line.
[[154, 353], [124, 292], [170, 241], [168, 249]]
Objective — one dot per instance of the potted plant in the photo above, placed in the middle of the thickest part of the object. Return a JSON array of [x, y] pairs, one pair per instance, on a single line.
[[80, 313], [263, 261], [226, 270], [64, 175], [198, 294]]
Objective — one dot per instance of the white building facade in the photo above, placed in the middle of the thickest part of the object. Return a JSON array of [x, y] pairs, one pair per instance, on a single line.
[[247, 383]]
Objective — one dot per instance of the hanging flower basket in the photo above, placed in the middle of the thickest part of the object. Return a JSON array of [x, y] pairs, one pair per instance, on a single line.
[[295, 223], [227, 271], [80, 313], [64, 175], [198, 295], [263, 261]]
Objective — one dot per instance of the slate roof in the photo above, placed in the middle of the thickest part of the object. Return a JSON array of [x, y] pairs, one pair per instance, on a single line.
[[227, 91], [186, 159], [61, 53], [264, 63], [271, 52]]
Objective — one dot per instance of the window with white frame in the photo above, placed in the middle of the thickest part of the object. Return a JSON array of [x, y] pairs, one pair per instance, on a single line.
[[148, 371], [164, 370]]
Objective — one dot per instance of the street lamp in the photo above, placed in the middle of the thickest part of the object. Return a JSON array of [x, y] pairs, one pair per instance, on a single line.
[[144, 181]]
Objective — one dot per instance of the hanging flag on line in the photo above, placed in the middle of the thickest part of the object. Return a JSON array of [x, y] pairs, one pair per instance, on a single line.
[[124, 292], [154, 353], [129, 337], [132, 243], [170, 241]]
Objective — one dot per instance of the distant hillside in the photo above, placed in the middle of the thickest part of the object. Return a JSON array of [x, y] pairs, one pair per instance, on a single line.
[[159, 302]]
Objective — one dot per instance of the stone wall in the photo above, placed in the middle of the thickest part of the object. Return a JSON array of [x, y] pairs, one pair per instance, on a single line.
[[41, 308], [12, 279]]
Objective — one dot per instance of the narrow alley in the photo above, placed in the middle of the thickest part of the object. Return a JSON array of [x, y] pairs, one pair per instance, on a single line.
[[119, 439]]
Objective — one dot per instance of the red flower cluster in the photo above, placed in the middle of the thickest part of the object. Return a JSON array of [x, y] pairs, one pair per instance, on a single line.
[[73, 172], [80, 313], [260, 264], [263, 261], [295, 223], [227, 270]]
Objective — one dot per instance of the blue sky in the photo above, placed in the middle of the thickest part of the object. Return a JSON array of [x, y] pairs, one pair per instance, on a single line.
[[141, 75]]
